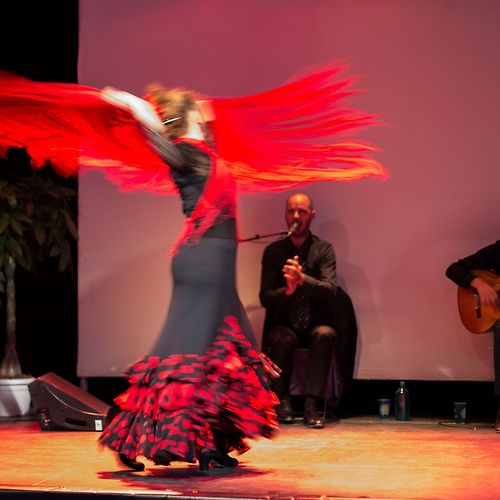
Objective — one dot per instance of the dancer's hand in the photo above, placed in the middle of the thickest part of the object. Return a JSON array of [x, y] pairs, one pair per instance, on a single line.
[[116, 97]]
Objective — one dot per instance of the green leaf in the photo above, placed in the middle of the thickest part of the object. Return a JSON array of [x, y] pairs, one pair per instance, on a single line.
[[24, 263], [15, 246], [55, 251], [3, 225], [55, 193], [40, 234], [65, 257], [24, 218], [54, 215], [56, 233], [16, 226], [68, 192], [12, 200], [30, 208], [70, 224]]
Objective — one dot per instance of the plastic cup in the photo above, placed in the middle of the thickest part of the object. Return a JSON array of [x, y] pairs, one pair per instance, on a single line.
[[384, 408], [459, 410]]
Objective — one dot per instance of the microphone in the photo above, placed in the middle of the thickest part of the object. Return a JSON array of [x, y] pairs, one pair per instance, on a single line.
[[292, 229]]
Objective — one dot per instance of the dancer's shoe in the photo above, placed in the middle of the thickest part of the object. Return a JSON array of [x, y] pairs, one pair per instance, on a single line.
[[131, 463], [220, 459], [272, 369], [162, 458]]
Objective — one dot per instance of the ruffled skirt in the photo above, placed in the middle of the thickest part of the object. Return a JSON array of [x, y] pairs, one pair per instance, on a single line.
[[181, 406], [212, 392]]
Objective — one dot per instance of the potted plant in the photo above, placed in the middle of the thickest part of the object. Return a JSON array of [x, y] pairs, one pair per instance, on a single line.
[[37, 222]]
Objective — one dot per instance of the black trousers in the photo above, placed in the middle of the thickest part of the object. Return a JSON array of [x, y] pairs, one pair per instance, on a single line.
[[320, 340]]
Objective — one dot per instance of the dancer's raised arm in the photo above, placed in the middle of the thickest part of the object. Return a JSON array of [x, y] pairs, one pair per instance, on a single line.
[[142, 110]]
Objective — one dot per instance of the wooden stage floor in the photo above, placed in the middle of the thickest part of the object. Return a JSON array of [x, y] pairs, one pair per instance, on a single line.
[[360, 457]]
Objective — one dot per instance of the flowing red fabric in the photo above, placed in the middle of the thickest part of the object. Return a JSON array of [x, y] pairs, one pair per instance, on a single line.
[[297, 133], [73, 128]]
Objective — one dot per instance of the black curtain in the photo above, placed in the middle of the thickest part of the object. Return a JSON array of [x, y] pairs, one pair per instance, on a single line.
[[39, 40]]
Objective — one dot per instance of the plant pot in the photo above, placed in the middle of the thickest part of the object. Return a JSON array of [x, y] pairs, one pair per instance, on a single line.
[[15, 399]]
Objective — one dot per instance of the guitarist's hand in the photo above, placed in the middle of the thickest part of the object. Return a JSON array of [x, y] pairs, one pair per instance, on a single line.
[[487, 294]]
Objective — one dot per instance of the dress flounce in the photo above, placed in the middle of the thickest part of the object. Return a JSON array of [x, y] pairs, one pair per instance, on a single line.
[[182, 405]]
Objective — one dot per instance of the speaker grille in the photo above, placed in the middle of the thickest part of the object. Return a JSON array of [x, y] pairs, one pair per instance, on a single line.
[[61, 405]]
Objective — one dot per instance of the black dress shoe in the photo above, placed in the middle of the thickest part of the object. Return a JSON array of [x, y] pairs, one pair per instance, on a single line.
[[218, 457], [284, 412], [131, 463], [162, 458], [312, 419]]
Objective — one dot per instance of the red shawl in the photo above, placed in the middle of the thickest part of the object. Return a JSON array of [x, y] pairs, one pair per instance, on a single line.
[[294, 134]]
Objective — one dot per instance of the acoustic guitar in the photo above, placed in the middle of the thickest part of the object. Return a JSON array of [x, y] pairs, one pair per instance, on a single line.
[[478, 318]]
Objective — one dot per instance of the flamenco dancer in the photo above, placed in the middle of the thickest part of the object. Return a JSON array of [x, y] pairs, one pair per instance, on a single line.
[[205, 388]]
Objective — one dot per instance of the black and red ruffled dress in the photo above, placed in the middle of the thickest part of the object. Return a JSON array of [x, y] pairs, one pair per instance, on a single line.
[[203, 387]]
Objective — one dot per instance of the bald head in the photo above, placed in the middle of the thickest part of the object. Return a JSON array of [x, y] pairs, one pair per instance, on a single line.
[[299, 213], [301, 197]]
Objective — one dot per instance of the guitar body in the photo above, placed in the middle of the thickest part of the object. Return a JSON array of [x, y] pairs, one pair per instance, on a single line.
[[476, 317]]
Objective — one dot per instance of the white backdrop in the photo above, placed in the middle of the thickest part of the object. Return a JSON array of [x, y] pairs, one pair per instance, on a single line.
[[432, 72]]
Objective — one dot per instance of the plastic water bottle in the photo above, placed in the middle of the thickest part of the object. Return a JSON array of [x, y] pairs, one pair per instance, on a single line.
[[402, 402]]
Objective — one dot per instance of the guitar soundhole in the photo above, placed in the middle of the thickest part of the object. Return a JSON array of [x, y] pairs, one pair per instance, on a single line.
[[477, 305]]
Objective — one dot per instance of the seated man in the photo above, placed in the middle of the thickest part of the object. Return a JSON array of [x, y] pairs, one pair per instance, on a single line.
[[298, 287], [461, 273]]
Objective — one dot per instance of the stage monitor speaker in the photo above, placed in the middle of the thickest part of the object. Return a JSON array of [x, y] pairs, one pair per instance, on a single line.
[[60, 405]]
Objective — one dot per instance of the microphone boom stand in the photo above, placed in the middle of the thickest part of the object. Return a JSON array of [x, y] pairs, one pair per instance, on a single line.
[[259, 237]]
